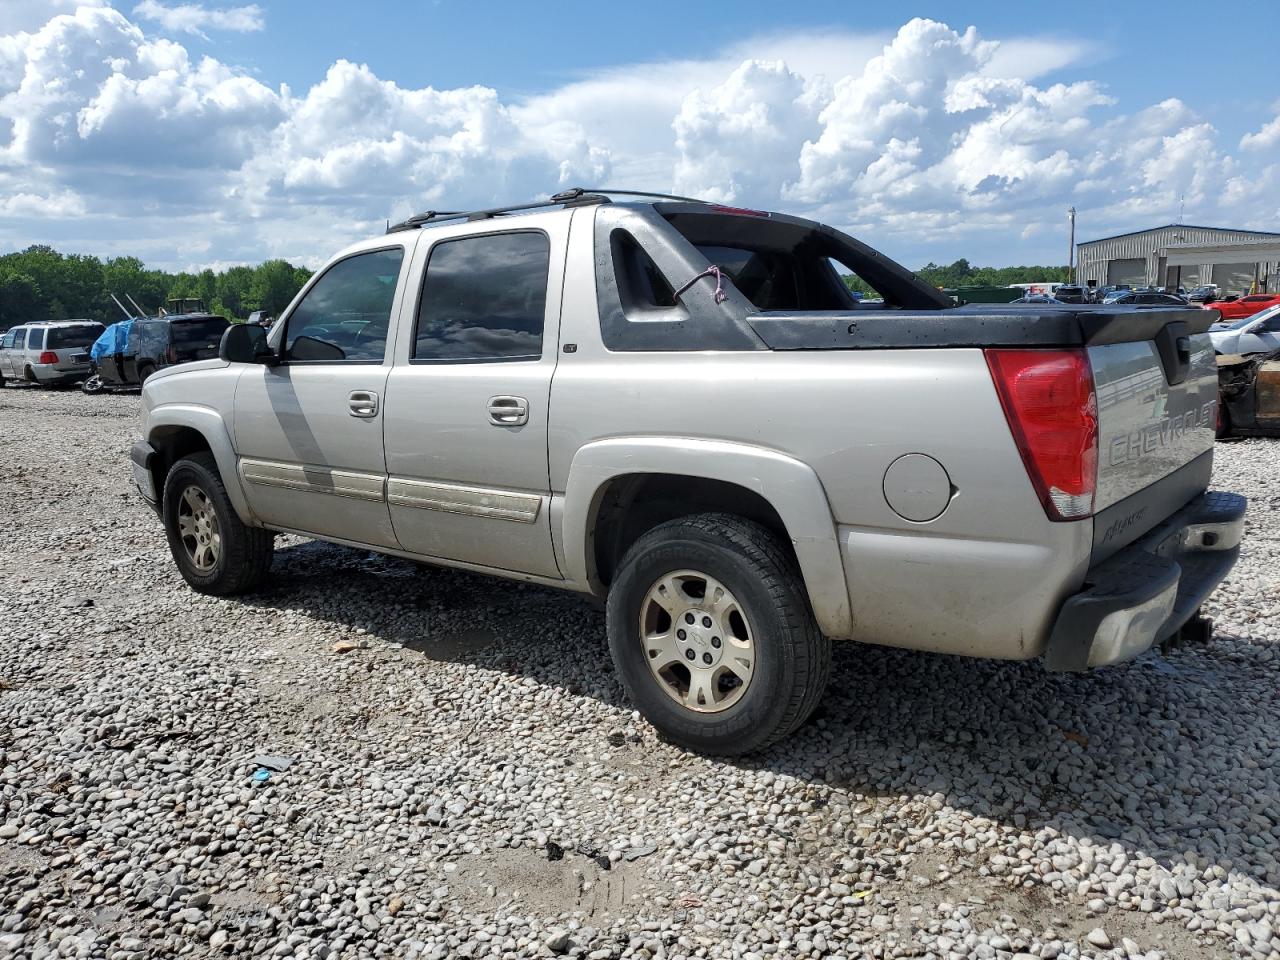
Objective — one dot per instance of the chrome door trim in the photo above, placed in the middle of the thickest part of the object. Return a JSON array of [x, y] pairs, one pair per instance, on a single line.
[[313, 479], [469, 501]]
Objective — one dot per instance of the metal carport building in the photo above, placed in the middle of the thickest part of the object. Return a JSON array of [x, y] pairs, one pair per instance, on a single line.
[[1181, 254]]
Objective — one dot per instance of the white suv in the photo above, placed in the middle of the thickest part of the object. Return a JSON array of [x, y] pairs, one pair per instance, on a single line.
[[50, 354]]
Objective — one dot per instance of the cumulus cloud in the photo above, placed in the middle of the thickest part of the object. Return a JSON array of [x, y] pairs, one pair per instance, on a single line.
[[930, 141], [1265, 138], [195, 18]]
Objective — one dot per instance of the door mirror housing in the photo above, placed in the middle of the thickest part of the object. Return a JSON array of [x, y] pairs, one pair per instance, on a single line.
[[246, 343]]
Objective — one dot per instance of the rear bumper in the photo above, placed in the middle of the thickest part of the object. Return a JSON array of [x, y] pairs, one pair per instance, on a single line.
[[47, 373], [1146, 592], [141, 456]]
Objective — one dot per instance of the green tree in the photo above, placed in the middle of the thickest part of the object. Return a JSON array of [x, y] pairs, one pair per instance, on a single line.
[[20, 300], [275, 283]]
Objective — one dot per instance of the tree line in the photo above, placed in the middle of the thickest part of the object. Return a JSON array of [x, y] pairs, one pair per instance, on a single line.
[[964, 274], [39, 283]]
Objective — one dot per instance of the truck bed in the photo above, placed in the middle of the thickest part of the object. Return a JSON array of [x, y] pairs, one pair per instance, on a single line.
[[973, 325]]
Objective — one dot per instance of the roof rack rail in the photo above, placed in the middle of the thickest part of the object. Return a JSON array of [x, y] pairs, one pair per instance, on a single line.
[[574, 196]]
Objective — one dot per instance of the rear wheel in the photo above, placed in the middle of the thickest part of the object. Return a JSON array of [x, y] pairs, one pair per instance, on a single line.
[[144, 372], [711, 632], [92, 385], [215, 552]]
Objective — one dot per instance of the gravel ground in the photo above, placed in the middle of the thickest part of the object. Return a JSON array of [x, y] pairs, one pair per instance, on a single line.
[[467, 780]]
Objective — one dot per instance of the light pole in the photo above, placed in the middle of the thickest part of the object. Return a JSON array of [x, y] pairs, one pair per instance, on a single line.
[[1071, 252]]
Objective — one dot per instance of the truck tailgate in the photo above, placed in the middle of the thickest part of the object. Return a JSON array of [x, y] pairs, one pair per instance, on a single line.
[[1155, 431]]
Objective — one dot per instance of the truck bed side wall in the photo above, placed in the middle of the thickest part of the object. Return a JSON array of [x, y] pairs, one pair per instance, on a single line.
[[984, 579]]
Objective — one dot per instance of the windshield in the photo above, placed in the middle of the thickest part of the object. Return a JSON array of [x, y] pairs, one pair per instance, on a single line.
[[62, 338], [199, 332]]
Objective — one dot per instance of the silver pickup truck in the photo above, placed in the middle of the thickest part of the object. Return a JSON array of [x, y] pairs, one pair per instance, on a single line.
[[679, 408]]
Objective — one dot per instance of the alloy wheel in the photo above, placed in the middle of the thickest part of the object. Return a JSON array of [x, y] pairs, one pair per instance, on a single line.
[[697, 641], [198, 528]]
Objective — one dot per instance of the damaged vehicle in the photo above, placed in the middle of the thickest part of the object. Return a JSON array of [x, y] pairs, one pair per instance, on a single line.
[[678, 408], [1249, 390]]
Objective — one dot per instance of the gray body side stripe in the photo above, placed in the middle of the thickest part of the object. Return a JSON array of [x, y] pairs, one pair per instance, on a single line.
[[472, 501], [295, 476]]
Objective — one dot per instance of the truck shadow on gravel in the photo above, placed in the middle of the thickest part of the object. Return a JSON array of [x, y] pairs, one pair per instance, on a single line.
[[1166, 757]]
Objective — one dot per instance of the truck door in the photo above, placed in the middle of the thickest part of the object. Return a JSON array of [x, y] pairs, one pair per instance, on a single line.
[[309, 431], [467, 400]]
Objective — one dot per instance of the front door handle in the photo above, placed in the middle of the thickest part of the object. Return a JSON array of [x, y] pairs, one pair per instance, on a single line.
[[508, 411], [362, 404]]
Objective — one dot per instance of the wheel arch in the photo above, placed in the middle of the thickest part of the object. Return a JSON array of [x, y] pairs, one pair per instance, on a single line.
[[180, 429], [619, 488]]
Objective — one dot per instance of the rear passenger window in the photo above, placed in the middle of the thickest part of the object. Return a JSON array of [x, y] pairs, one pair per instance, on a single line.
[[36, 340], [484, 298], [345, 316]]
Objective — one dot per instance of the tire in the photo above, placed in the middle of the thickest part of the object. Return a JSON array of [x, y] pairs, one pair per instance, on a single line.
[[790, 659], [234, 558], [92, 385], [30, 376], [144, 373]]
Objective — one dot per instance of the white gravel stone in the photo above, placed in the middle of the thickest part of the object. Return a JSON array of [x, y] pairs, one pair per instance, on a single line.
[[468, 780]]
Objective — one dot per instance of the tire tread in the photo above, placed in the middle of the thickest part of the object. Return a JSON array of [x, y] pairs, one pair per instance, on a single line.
[[780, 577], [249, 551]]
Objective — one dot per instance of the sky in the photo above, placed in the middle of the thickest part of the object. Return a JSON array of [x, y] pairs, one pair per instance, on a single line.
[[197, 134]]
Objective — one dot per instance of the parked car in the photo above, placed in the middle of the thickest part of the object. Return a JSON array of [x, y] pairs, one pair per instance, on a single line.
[[1035, 298], [1259, 333], [1134, 298], [634, 400], [1071, 293], [147, 344], [1203, 293], [49, 354], [1250, 394], [1113, 290], [1244, 306]]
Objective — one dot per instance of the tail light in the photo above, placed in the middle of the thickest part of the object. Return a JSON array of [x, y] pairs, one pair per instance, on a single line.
[[171, 354], [48, 357], [1049, 401]]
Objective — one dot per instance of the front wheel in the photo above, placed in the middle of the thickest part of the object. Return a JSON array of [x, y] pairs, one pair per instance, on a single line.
[[711, 633], [92, 385], [215, 552]]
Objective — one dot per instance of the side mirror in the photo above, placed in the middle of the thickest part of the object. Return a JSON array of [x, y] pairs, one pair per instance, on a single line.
[[245, 343]]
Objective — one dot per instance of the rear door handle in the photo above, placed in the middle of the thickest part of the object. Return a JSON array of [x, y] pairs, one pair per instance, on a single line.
[[362, 404], [508, 411]]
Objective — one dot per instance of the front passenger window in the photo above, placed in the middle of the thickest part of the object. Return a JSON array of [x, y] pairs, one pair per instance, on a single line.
[[345, 316]]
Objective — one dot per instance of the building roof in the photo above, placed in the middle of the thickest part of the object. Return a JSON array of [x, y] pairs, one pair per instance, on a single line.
[[1177, 226]]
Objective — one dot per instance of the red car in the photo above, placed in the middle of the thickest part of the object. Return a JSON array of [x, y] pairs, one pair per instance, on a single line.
[[1245, 306]]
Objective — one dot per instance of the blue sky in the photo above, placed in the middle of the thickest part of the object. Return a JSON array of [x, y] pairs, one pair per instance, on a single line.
[[287, 128]]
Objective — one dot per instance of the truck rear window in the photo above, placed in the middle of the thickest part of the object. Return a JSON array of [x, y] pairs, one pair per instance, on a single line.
[[194, 333], [784, 265], [67, 338]]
